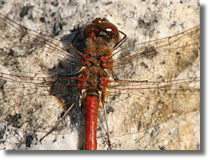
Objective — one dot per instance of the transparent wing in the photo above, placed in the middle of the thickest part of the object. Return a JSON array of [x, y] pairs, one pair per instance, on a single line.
[[25, 41], [163, 83], [158, 80], [35, 103], [32, 96], [152, 60]]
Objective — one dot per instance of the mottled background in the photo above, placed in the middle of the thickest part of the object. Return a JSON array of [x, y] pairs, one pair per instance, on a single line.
[[141, 21]]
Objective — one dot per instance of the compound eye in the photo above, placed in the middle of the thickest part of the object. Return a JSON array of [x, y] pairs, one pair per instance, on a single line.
[[98, 28], [105, 26], [108, 28], [99, 20], [86, 32]]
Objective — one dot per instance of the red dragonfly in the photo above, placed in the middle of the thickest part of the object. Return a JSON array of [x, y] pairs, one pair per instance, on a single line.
[[139, 71]]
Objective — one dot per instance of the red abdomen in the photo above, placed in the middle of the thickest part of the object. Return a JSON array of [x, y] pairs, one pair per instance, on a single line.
[[91, 104]]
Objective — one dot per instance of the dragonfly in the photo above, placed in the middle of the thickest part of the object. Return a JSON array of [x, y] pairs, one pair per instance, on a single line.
[[32, 101]]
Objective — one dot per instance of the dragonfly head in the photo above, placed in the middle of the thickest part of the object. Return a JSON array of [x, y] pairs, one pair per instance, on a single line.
[[101, 30]]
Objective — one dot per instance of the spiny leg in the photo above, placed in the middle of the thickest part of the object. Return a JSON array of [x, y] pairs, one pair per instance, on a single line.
[[58, 122]]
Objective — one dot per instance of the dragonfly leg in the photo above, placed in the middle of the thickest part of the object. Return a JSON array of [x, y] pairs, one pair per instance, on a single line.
[[107, 133], [113, 75], [106, 128], [121, 41], [76, 48], [58, 122]]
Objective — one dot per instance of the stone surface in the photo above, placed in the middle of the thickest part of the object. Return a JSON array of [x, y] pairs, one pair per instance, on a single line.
[[141, 21]]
